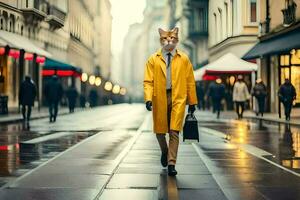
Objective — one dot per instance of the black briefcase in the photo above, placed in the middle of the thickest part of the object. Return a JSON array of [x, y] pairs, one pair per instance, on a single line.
[[190, 128]]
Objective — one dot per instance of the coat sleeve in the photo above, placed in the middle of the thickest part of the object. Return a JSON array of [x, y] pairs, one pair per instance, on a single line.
[[191, 86], [247, 94], [234, 94], [148, 80]]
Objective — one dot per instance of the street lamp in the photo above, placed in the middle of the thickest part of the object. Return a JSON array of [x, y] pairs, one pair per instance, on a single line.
[[108, 86], [98, 81], [123, 91], [92, 80], [84, 77], [116, 89]]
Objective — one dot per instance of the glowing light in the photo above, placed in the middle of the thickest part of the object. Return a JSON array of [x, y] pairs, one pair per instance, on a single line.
[[98, 81], [14, 53], [116, 89], [84, 77], [92, 80], [108, 86], [123, 91], [28, 56], [2, 51], [40, 59]]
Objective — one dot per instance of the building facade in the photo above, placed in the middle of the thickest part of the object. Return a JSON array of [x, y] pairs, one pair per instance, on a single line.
[[36, 25], [191, 16], [278, 49], [74, 32], [233, 27]]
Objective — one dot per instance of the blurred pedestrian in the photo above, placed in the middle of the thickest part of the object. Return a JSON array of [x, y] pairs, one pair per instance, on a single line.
[[53, 93], [82, 100], [72, 95], [27, 94], [217, 93], [287, 94], [93, 98], [209, 97], [168, 95], [260, 93], [240, 96], [200, 96]]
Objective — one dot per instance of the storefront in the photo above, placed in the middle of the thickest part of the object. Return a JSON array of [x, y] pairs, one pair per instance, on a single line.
[[290, 68], [19, 57], [279, 58]]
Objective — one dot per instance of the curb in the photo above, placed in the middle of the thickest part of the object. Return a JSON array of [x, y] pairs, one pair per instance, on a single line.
[[273, 120]]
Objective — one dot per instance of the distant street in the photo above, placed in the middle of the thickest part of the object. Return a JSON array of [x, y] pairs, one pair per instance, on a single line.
[[22, 149], [117, 157]]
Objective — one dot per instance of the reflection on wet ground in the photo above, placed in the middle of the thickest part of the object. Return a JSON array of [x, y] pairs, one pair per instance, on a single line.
[[17, 157], [281, 140]]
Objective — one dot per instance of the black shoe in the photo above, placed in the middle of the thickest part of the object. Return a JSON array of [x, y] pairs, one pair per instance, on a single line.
[[164, 159], [171, 170]]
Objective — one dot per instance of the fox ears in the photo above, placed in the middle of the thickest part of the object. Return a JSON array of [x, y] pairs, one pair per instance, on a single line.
[[174, 30]]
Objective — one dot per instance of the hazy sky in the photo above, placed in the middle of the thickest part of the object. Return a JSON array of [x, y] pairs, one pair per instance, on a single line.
[[124, 13]]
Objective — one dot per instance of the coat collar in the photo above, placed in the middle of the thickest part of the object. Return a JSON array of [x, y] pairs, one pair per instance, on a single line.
[[159, 53]]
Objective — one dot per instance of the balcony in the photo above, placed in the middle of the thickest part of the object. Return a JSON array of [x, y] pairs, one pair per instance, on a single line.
[[56, 17], [289, 14], [34, 10]]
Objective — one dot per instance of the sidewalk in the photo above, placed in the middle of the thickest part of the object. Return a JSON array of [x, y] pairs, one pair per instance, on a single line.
[[109, 170], [14, 116], [272, 117]]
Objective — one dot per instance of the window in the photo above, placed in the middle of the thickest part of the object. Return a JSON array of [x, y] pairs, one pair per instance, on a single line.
[[216, 28], [253, 11], [22, 28], [226, 18], [221, 24], [1, 24]]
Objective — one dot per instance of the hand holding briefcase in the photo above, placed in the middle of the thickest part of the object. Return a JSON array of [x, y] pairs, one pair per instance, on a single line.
[[190, 128]]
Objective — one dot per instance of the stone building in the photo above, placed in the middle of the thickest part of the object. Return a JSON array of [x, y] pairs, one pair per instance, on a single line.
[[233, 27], [68, 33], [278, 49]]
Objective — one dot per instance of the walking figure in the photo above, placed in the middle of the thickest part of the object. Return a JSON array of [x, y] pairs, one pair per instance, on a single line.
[[260, 93], [240, 96], [27, 94], [168, 85], [200, 95], [53, 93], [287, 94], [217, 93], [72, 95]]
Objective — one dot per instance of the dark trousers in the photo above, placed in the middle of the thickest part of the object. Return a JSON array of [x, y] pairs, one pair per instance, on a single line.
[[217, 106], [26, 115], [53, 110], [287, 109], [240, 107], [261, 105]]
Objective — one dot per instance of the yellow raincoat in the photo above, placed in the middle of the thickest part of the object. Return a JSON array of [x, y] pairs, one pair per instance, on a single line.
[[183, 89]]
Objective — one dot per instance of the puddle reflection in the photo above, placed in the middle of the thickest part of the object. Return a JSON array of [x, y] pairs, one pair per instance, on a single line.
[[16, 157], [281, 140]]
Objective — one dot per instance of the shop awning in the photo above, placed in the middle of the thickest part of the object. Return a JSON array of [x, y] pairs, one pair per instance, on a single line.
[[3, 43], [227, 64], [17, 41], [283, 43], [55, 67]]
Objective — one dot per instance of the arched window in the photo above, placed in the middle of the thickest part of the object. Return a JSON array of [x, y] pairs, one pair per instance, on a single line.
[[22, 29], [1, 24], [10, 26]]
